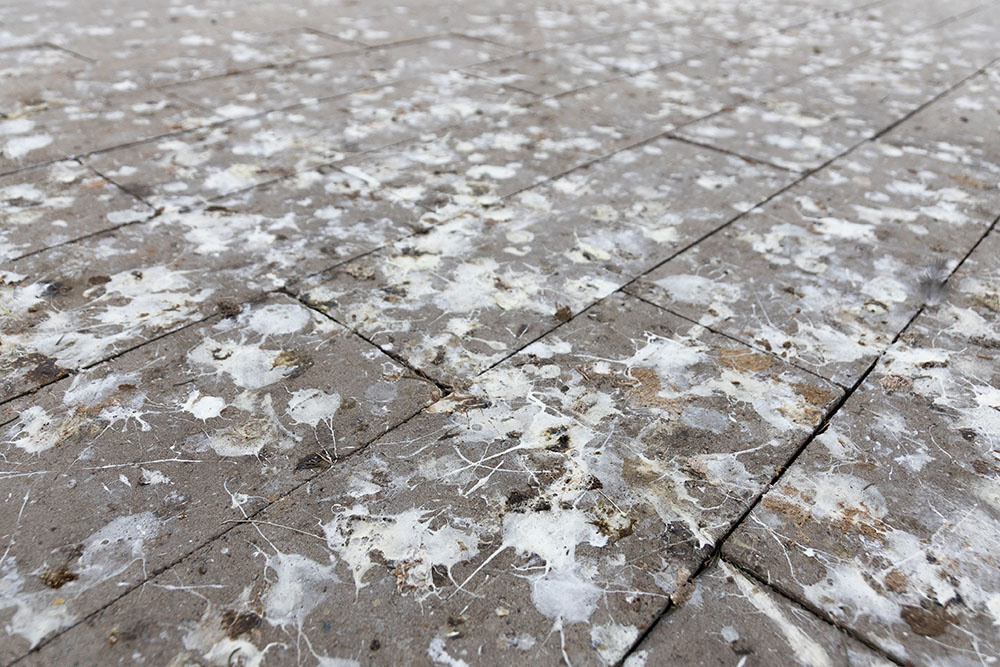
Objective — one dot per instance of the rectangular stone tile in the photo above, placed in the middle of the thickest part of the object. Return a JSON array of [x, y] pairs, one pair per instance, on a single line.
[[147, 56], [889, 522], [876, 91], [803, 125], [468, 292], [490, 158], [190, 168], [640, 50], [829, 272], [747, 71], [65, 124], [384, 26], [731, 618], [648, 104], [563, 499], [741, 20], [645, 105], [135, 463], [28, 71], [318, 78], [77, 304], [905, 17], [460, 94], [546, 72], [526, 34], [60, 203], [785, 136], [299, 225], [965, 123], [487, 160]]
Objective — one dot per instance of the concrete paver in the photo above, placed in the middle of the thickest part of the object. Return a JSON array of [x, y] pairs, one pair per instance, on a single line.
[[58, 204], [78, 304], [465, 294], [581, 480], [316, 78], [890, 525], [731, 617], [342, 333], [119, 471], [828, 273], [802, 126]]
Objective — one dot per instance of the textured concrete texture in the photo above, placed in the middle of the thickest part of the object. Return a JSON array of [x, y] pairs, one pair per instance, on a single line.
[[597, 333]]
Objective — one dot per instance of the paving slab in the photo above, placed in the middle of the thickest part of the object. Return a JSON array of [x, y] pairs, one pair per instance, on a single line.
[[658, 101], [470, 291], [150, 56], [317, 78], [964, 123], [77, 304], [193, 167], [547, 513], [731, 618], [748, 70], [735, 21], [55, 125], [891, 523], [544, 72], [58, 204], [537, 298], [122, 470], [910, 18], [803, 125], [491, 157], [27, 71], [829, 272]]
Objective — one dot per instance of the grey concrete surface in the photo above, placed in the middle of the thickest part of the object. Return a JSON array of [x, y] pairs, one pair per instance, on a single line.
[[524, 332]]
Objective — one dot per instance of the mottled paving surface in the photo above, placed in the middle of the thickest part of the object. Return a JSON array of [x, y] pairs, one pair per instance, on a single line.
[[641, 333]]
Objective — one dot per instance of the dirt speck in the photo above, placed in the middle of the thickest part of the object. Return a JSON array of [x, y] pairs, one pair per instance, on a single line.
[[57, 577]]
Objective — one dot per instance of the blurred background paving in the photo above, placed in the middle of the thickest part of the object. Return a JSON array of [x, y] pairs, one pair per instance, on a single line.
[[488, 333]]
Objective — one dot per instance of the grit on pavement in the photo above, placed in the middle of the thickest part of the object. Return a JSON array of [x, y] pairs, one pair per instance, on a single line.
[[521, 332]]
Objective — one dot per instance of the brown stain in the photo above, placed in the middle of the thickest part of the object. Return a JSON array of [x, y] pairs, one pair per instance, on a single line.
[[813, 395], [45, 369], [927, 623], [644, 388], [988, 301], [896, 581], [793, 512], [237, 624], [299, 362], [744, 360], [970, 182], [858, 521]]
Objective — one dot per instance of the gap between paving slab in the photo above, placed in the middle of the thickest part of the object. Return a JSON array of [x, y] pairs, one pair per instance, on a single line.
[[717, 548]]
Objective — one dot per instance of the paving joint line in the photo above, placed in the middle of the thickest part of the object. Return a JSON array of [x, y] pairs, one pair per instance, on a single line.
[[816, 612], [751, 345], [717, 548], [746, 158], [445, 388], [716, 552], [247, 519], [147, 578], [70, 372], [342, 40]]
